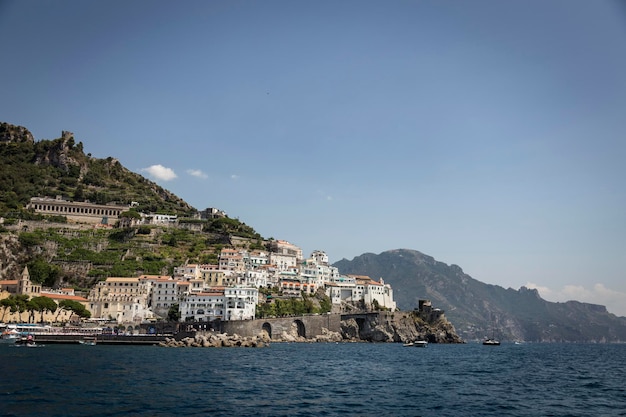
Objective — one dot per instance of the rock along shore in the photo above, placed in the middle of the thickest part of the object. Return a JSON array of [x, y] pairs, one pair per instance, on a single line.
[[213, 339]]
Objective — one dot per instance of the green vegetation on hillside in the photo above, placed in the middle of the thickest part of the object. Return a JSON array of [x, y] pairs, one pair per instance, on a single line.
[[281, 307], [117, 252], [48, 168], [80, 257]]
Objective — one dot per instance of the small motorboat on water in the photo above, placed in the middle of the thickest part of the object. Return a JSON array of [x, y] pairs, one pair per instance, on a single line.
[[417, 343], [88, 341], [28, 341], [491, 342]]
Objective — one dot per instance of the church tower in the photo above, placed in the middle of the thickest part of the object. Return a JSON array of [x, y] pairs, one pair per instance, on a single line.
[[25, 286]]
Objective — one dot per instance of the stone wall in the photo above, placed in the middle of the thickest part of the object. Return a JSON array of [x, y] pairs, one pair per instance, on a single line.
[[371, 327], [306, 327]]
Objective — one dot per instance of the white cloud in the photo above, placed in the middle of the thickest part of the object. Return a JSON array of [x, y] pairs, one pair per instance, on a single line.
[[160, 172], [197, 173], [614, 301], [234, 177]]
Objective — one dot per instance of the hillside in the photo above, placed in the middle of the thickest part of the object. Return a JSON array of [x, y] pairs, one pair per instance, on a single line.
[[60, 253], [48, 168], [473, 307]]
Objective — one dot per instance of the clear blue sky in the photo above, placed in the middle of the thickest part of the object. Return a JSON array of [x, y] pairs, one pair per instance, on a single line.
[[487, 134]]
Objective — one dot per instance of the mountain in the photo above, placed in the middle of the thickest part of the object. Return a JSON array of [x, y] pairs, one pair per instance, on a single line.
[[48, 168], [477, 309]]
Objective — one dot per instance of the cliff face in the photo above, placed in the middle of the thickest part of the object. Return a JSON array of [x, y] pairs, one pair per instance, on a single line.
[[63, 154], [13, 133], [398, 327], [12, 257]]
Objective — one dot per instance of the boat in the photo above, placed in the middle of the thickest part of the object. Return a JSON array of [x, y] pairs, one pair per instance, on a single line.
[[28, 341], [492, 341], [10, 336], [417, 343], [88, 341]]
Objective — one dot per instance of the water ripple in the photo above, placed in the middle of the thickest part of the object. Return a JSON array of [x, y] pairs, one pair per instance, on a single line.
[[315, 379]]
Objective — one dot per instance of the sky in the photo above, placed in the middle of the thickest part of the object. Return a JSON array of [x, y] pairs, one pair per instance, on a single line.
[[487, 134]]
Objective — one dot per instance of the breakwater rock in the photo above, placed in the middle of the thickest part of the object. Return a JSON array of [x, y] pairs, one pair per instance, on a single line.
[[212, 339], [327, 336]]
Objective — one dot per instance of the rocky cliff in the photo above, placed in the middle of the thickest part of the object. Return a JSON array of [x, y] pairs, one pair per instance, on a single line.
[[398, 327]]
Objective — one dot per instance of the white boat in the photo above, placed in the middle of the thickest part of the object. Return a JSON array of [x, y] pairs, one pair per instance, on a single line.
[[88, 341], [417, 343], [492, 341], [10, 336]]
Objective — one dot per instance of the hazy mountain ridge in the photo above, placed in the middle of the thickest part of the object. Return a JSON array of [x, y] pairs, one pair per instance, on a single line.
[[476, 308]]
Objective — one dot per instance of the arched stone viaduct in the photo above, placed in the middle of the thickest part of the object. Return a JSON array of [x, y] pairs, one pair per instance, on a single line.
[[309, 326]]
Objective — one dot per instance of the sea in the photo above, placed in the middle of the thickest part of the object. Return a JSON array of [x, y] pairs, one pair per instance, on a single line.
[[317, 379]]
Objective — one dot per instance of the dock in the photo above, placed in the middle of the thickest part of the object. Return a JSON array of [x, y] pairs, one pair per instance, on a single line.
[[102, 339]]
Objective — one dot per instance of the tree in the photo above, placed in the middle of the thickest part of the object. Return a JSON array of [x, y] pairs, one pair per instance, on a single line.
[[131, 214], [31, 306], [63, 306], [21, 301], [29, 239], [173, 314], [44, 304], [265, 310], [7, 304], [75, 307], [42, 272], [325, 304]]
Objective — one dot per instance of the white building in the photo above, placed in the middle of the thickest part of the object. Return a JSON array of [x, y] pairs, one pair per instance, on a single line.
[[257, 259], [256, 278], [284, 255], [231, 260], [188, 271], [342, 289], [355, 288], [165, 293], [377, 293], [241, 303], [161, 219], [202, 306], [316, 269], [232, 303]]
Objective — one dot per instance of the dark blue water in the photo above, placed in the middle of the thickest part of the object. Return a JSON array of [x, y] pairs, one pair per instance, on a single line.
[[314, 380]]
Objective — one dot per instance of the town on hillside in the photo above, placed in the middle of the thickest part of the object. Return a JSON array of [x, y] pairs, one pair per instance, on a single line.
[[243, 285]]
